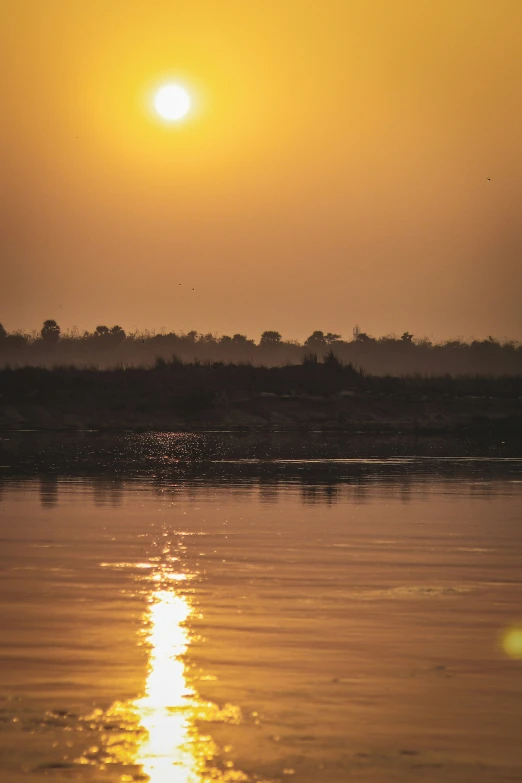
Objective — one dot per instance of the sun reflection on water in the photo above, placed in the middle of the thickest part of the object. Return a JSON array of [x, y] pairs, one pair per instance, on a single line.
[[157, 737], [171, 744]]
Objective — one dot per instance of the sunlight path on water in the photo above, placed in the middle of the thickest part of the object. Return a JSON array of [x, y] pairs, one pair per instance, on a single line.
[[161, 734], [164, 709], [171, 748]]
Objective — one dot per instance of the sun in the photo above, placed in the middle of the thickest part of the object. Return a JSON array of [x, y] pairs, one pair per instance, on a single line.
[[172, 102]]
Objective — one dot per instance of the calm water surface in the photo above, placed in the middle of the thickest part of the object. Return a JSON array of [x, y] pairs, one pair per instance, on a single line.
[[294, 620]]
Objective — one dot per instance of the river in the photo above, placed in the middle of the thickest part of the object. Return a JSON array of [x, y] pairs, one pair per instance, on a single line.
[[187, 610]]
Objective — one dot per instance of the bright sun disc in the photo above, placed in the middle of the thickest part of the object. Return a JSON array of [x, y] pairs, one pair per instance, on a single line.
[[172, 102]]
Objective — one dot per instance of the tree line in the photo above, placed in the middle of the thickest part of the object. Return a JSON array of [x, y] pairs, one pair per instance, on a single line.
[[110, 346]]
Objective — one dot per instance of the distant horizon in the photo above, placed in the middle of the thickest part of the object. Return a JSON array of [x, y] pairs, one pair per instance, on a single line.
[[348, 336]]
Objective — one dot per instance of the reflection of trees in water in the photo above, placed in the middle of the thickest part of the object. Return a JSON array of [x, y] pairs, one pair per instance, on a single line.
[[107, 492], [313, 489], [486, 487], [49, 491], [357, 490], [360, 491], [405, 489], [319, 493], [271, 485], [104, 492], [269, 490]]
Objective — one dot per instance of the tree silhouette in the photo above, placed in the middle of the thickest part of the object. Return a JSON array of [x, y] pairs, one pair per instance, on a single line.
[[118, 333], [106, 346], [50, 331], [114, 334], [316, 340], [242, 339], [208, 339], [270, 339], [362, 337], [332, 338]]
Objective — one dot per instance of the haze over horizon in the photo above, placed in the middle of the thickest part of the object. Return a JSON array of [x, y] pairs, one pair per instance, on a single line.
[[345, 163]]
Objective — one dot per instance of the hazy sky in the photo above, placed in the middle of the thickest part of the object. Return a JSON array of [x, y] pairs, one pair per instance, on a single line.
[[334, 170]]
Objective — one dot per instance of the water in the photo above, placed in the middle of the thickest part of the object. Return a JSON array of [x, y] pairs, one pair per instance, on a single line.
[[174, 613]]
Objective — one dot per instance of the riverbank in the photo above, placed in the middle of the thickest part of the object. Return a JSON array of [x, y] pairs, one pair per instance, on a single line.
[[316, 397]]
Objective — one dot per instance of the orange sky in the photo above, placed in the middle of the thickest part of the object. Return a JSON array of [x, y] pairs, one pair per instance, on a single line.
[[334, 171]]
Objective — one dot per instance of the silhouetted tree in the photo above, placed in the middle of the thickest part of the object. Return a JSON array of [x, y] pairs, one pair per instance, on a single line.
[[454, 344], [362, 337], [316, 340], [50, 331], [118, 333], [242, 339], [16, 341], [269, 339], [332, 338], [208, 339], [388, 355]]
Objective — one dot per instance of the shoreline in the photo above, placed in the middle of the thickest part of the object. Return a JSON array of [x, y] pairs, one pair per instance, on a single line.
[[297, 398], [325, 416]]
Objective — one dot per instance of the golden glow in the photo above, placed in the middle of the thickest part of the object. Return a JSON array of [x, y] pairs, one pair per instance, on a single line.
[[157, 735], [172, 102], [365, 133], [512, 642], [164, 711]]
